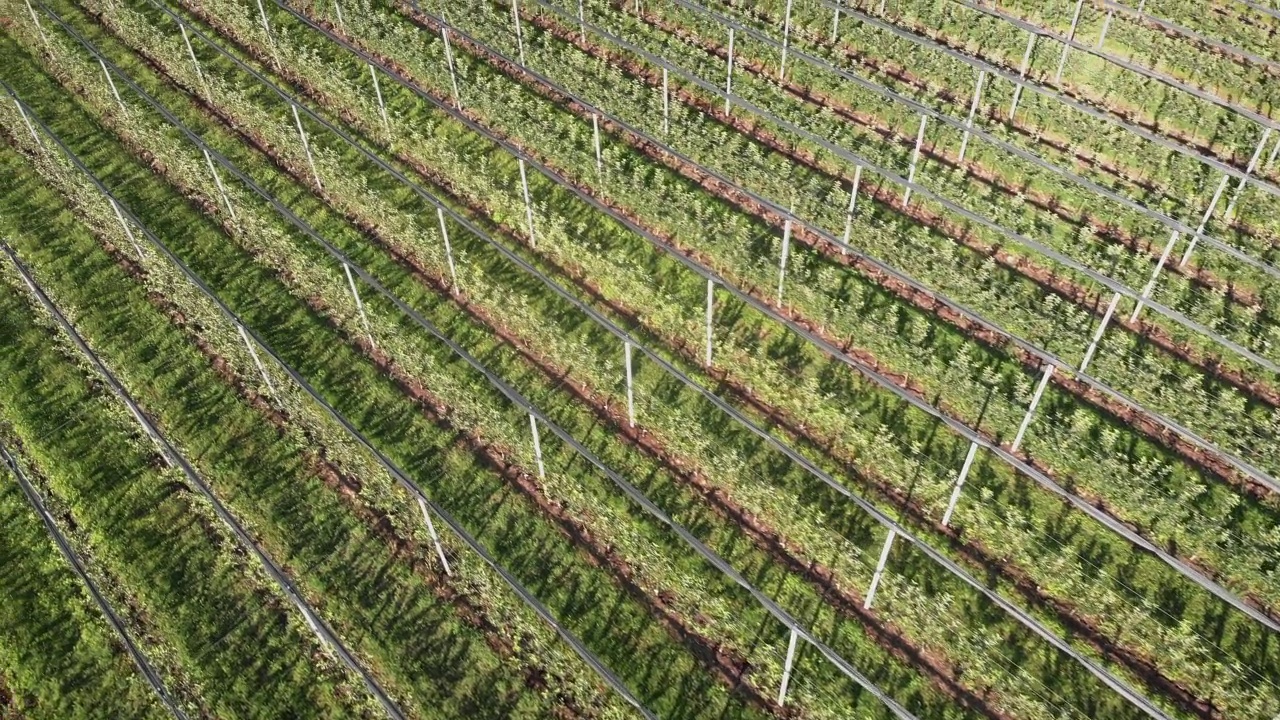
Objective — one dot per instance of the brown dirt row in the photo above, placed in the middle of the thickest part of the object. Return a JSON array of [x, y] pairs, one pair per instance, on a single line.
[[1206, 461], [768, 539]]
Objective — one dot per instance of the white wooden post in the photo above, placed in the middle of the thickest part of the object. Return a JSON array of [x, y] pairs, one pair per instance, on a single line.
[[782, 261], [1217, 194], [631, 401], [431, 528], [728, 80], [1253, 164], [196, 63], [853, 205], [537, 444], [133, 241], [666, 104], [112, 84], [964, 474], [582, 23], [915, 158], [786, 37], [711, 288], [1097, 335], [1155, 274], [1275, 151], [786, 667], [453, 75], [448, 250], [359, 305], [217, 180], [306, 146], [1031, 409], [973, 109], [1141, 5], [1066, 46], [880, 9], [875, 579], [835, 21], [271, 43], [515, 17], [595, 132], [36, 20], [382, 107], [1017, 89], [30, 127], [257, 362], [341, 22], [1106, 24], [528, 205]]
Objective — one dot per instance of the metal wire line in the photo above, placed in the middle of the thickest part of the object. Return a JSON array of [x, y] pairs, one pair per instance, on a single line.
[[880, 379], [1221, 45], [888, 94], [1159, 77], [587, 656], [77, 566], [518, 399], [826, 478], [286, 585]]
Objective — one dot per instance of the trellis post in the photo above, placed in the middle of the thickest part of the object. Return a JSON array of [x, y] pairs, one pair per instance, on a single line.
[[382, 107], [129, 233], [453, 75], [1022, 73], [359, 305], [631, 401], [964, 474], [582, 22], [515, 17], [853, 205], [875, 579], [196, 63], [35, 19], [666, 104], [112, 84], [1097, 335], [1253, 164], [262, 12], [973, 109], [786, 37], [537, 444], [1217, 195], [217, 180], [728, 80], [711, 288], [448, 250], [32, 128], [1031, 409], [341, 22], [435, 539], [1066, 46], [835, 21], [595, 133], [1106, 25], [257, 361], [1155, 274], [915, 158], [786, 667], [306, 146], [1275, 151], [528, 205], [782, 261]]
